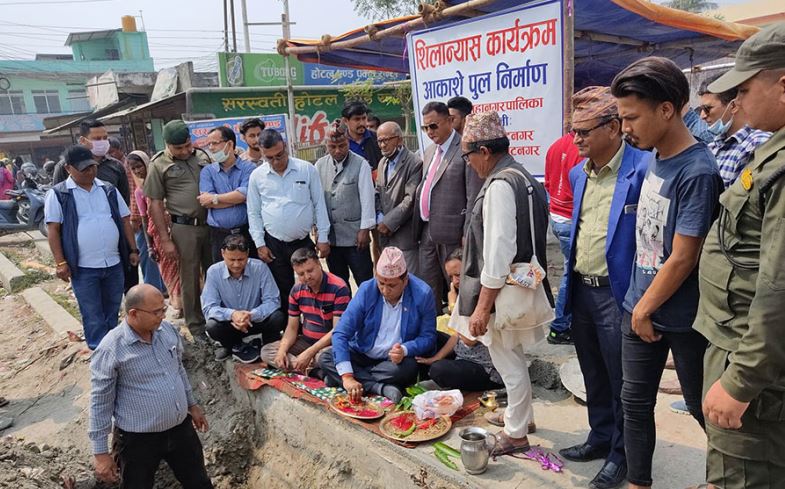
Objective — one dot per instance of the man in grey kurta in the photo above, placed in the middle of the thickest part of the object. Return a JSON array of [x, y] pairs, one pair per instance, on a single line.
[[399, 173], [349, 196]]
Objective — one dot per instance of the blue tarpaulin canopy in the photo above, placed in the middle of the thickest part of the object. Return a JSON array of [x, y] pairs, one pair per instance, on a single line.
[[609, 35]]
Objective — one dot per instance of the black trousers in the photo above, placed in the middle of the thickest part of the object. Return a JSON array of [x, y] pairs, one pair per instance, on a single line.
[[596, 330], [218, 235], [344, 258], [224, 333], [643, 364], [138, 456], [461, 374], [281, 266]]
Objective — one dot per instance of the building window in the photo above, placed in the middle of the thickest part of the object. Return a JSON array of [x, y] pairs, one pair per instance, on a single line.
[[112, 54], [79, 101], [12, 102], [47, 101]]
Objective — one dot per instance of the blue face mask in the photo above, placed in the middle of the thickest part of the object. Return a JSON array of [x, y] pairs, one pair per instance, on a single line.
[[220, 156], [719, 128]]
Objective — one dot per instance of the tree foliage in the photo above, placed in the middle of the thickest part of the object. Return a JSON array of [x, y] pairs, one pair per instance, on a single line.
[[385, 9], [697, 6]]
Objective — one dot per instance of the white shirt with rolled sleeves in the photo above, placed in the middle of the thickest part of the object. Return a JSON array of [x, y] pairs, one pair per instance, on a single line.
[[287, 206]]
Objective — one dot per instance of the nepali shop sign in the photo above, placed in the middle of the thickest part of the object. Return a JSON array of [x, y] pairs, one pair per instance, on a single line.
[[269, 70], [314, 108], [200, 129], [510, 62]]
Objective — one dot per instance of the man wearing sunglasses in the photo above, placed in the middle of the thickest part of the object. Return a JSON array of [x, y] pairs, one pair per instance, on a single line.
[[241, 301], [734, 141], [447, 190], [602, 246]]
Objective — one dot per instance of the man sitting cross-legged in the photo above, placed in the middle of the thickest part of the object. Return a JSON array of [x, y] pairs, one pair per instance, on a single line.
[[390, 320], [319, 298]]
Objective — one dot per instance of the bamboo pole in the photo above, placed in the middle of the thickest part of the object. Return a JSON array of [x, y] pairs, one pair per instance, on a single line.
[[428, 13], [568, 38]]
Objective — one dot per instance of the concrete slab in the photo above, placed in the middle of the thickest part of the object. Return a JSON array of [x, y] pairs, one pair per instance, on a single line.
[[58, 319], [14, 239], [10, 275], [41, 244]]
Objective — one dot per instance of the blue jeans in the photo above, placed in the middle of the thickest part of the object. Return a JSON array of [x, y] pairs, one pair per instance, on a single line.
[[150, 272], [562, 232], [99, 292]]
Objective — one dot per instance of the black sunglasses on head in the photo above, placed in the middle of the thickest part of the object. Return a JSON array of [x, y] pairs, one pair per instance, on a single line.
[[233, 247]]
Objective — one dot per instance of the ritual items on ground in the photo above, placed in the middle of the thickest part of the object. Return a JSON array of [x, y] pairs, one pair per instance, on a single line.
[[433, 404], [406, 426], [363, 409]]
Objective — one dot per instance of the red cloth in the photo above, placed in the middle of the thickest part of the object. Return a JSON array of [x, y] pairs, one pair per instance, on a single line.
[[561, 157]]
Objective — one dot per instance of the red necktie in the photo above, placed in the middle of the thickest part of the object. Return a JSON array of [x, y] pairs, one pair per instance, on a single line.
[[425, 198]]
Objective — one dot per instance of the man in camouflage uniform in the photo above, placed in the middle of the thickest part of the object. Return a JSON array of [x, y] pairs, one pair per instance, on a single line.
[[173, 180], [742, 286]]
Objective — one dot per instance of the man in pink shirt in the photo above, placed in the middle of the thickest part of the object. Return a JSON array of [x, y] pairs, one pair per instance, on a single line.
[[561, 157]]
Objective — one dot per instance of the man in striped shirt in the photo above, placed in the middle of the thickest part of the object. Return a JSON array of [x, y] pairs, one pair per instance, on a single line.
[[139, 382], [734, 141], [319, 298]]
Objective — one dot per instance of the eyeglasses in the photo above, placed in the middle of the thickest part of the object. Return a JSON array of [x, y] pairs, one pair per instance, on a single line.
[[432, 126], [465, 155], [583, 133], [279, 157], [387, 140], [216, 143], [157, 312], [235, 247]]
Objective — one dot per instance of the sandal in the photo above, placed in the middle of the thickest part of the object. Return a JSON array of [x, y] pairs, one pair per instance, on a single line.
[[505, 446], [496, 418]]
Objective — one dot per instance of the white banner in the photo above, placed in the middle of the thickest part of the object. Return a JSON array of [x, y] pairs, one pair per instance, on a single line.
[[510, 62]]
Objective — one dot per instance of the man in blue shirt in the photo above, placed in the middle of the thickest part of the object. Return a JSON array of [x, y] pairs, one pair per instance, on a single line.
[[223, 186], [285, 202], [91, 240], [240, 301], [390, 321], [677, 205], [361, 140]]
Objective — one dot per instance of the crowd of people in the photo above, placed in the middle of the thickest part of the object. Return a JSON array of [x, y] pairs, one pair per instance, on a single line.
[[448, 253]]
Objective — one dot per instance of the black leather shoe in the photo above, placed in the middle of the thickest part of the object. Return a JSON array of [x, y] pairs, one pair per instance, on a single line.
[[584, 452], [611, 475]]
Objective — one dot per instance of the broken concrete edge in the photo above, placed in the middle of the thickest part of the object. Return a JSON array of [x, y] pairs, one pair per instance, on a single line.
[[54, 315], [41, 244], [10, 275]]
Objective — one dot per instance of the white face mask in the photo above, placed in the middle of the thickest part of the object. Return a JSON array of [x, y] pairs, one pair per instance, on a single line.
[[221, 155], [99, 147]]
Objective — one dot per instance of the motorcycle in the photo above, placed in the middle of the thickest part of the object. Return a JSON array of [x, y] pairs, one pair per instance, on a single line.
[[24, 211]]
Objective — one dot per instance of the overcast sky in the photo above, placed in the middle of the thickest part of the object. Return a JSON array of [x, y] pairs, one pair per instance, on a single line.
[[177, 30]]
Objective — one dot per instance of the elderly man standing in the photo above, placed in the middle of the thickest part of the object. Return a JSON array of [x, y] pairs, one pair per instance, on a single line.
[[141, 393], [223, 186], [389, 322], [442, 198], [741, 267], [601, 251], [91, 240], [285, 201], [349, 198], [400, 172], [173, 180], [240, 300], [500, 234]]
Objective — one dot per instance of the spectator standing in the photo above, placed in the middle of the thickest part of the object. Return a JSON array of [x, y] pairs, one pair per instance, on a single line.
[[459, 107], [251, 131], [361, 140]]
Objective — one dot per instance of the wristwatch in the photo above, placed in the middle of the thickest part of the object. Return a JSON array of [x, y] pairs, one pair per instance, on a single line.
[[215, 199]]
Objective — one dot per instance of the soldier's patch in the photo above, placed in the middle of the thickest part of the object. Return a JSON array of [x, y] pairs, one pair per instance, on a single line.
[[746, 179]]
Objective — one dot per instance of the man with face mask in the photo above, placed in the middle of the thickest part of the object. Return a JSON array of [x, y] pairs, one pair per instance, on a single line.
[[349, 195], [223, 186], [93, 136], [734, 141]]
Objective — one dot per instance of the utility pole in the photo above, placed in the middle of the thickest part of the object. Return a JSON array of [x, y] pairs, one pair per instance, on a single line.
[[289, 88], [246, 34], [234, 27], [226, 27]]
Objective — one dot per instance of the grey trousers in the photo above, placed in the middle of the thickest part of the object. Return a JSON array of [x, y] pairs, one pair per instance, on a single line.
[[432, 257]]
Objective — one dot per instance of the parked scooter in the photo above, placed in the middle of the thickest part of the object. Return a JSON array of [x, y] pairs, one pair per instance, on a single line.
[[25, 210]]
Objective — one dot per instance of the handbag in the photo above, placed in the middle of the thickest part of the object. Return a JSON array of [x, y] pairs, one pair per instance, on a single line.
[[522, 303]]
